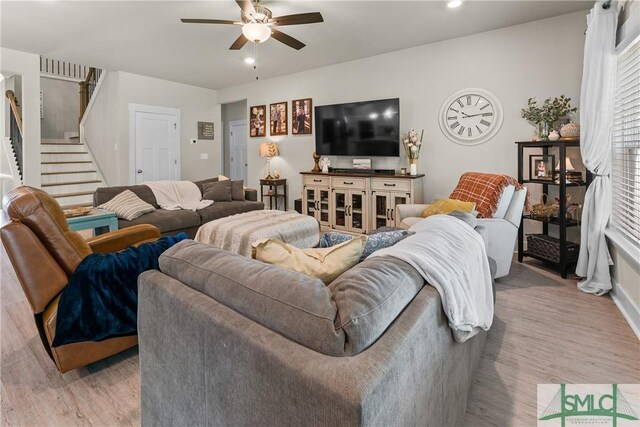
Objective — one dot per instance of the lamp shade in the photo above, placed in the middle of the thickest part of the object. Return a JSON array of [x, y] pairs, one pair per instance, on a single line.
[[568, 165], [269, 149], [256, 32]]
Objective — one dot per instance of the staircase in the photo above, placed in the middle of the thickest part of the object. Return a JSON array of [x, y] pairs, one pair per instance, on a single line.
[[69, 173]]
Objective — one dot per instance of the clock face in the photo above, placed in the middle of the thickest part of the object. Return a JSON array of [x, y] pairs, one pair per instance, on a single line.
[[470, 116]]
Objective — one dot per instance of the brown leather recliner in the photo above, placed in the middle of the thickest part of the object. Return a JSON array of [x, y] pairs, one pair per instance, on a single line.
[[44, 252]]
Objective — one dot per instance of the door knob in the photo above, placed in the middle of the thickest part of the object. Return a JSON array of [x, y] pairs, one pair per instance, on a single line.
[[139, 170]]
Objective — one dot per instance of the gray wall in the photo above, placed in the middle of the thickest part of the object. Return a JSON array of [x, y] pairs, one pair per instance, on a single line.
[[230, 112], [61, 107]]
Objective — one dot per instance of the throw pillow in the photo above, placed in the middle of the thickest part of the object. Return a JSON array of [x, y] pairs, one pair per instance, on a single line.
[[237, 190], [375, 241], [219, 191], [469, 218], [222, 178], [446, 206], [324, 263], [127, 205]]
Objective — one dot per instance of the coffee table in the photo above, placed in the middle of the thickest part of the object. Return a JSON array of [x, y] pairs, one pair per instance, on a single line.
[[236, 233], [97, 219]]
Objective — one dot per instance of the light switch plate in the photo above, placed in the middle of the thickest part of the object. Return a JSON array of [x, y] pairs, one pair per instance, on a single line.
[[193, 141], [204, 156]]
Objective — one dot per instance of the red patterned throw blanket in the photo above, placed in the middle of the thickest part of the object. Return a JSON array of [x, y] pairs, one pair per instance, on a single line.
[[484, 189]]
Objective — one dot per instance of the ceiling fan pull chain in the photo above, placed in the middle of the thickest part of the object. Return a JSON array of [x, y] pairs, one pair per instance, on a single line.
[[255, 56]]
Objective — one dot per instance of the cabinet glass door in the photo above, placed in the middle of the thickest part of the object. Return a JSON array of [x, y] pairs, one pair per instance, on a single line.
[[340, 209], [398, 199], [324, 206], [310, 205], [382, 210], [356, 211]]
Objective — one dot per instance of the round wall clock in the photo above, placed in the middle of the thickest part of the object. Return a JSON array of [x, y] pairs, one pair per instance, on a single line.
[[471, 116]]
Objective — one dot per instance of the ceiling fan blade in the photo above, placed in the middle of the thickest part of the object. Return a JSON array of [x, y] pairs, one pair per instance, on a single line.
[[287, 39], [247, 7], [300, 18], [239, 43], [209, 21]]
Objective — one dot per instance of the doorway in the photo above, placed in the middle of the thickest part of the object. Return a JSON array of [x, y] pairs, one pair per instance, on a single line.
[[238, 150], [154, 149]]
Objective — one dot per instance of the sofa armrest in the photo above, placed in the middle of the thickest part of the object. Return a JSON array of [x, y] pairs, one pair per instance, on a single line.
[[251, 194], [121, 239], [409, 211], [501, 236]]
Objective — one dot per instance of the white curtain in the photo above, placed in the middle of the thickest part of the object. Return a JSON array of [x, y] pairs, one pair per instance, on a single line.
[[596, 118]]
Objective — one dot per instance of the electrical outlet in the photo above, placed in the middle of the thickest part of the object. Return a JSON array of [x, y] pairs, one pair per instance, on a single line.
[[193, 141], [204, 156]]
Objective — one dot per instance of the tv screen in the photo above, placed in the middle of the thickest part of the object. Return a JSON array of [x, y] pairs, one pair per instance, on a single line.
[[370, 128]]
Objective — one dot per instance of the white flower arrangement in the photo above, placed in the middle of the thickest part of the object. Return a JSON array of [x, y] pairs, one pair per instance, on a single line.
[[413, 144]]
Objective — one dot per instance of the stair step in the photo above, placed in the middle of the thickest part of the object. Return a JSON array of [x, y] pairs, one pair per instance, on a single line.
[[64, 163], [64, 172], [64, 152], [78, 193], [60, 143], [78, 205], [74, 137], [53, 184]]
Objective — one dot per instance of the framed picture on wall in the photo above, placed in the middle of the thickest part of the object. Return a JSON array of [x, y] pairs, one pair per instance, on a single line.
[[278, 119], [301, 115], [541, 168], [257, 121]]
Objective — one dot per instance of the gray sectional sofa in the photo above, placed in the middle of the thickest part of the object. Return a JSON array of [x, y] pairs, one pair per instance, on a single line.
[[229, 341], [172, 222]]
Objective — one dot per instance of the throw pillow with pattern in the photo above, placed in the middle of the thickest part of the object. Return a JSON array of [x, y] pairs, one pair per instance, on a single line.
[[127, 205]]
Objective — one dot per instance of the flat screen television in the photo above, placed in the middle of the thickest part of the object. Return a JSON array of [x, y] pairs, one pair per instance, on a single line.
[[370, 128]]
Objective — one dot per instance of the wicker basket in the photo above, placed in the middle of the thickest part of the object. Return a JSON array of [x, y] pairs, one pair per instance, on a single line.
[[547, 248]]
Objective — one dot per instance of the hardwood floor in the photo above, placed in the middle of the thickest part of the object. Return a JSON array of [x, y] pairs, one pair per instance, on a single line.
[[545, 331]]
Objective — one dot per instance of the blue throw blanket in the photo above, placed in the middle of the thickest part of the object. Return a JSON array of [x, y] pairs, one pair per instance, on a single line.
[[101, 299]]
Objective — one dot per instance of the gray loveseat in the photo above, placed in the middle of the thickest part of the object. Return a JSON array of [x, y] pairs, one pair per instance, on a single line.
[[230, 341], [172, 222]]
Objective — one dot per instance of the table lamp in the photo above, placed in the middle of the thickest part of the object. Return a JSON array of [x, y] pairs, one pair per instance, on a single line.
[[268, 150]]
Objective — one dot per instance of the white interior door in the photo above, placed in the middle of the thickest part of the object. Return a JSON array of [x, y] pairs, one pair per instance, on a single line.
[[238, 148], [155, 143]]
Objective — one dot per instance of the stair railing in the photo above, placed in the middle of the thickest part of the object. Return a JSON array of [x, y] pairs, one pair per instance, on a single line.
[[87, 87], [15, 129]]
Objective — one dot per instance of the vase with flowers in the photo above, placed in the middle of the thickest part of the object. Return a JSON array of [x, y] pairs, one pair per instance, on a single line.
[[545, 115], [412, 145]]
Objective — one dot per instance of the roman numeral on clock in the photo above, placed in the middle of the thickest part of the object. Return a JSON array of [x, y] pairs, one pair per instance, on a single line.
[[484, 122], [453, 109], [460, 102], [479, 130], [461, 130], [452, 118], [468, 100], [454, 125], [484, 106], [469, 132], [487, 114]]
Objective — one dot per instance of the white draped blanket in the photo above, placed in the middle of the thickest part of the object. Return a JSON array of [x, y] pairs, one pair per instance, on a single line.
[[175, 195], [236, 233], [451, 257]]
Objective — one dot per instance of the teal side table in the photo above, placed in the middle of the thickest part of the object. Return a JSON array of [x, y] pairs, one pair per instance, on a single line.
[[97, 219]]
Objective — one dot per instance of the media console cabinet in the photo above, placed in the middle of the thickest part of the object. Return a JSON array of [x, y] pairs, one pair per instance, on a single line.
[[357, 202]]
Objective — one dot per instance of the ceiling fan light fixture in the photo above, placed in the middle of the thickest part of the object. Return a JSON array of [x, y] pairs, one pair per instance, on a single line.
[[454, 3], [249, 60], [255, 32]]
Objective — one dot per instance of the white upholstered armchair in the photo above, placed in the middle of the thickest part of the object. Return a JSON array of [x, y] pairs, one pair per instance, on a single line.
[[499, 233]]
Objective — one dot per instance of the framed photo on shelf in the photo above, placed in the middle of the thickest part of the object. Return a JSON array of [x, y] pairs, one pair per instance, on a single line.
[[257, 121], [278, 119], [301, 116], [541, 167]]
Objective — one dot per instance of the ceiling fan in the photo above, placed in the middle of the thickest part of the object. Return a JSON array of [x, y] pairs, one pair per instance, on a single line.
[[258, 24]]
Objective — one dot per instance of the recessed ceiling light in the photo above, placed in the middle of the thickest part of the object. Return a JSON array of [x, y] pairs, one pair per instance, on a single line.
[[454, 3], [249, 60]]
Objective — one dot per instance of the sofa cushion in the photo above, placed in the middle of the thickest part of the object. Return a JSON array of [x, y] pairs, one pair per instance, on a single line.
[[166, 221], [292, 304], [222, 209], [370, 296], [445, 206], [375, 240], [104, 194], [219, 191], [237, 190], [324, 263], [127, 205], [201, 183]]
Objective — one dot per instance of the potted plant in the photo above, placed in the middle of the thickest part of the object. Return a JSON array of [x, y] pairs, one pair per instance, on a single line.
[[552, 110], [412, 145]]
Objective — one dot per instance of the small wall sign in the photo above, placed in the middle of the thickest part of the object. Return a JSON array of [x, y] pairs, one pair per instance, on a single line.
[[205, 130]]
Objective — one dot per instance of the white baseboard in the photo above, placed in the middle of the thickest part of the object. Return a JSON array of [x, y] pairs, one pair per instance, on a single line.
[[627, 307]]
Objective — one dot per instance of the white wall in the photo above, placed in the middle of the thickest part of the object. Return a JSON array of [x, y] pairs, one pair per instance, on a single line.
[[542, 58], [27, 65], [61, 102]]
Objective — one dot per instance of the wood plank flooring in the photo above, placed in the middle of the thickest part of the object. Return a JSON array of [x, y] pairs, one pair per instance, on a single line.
[[545, 331]]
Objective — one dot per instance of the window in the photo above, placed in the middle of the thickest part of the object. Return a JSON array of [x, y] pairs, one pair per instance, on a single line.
[[626, 145]]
